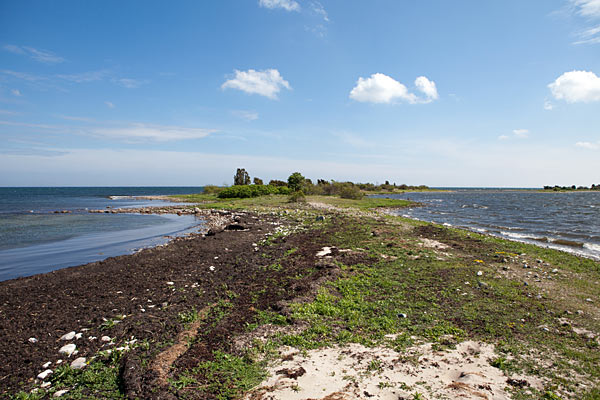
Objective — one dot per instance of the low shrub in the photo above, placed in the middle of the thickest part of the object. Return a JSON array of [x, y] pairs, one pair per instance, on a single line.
[[212, 189], [351, 192], [297, 197], [245, 191]]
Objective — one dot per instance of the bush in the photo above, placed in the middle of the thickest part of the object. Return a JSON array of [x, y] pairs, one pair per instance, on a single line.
[[212, 189], [351, 192], [295, 181], [297, 197], [245, 191]]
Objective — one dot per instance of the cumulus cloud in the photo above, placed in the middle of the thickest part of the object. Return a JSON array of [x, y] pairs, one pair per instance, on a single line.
[[380, 88], [576, 86], [589, 145], [266, 83], [288, 5], [43, 56], [159, 133]]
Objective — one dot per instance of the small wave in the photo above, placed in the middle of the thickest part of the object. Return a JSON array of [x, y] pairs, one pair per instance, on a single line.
[[446, 224], [524, 236], [480, 230], [592, 246], [120, 197]]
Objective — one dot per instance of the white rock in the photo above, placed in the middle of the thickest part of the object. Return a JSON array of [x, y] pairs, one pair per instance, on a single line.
[[45, 384], [212, 268], [68, 349], [60, 393], [49, 363], [555, 270], [68, 336], [79, 335], [59, 361], [45, 374], [479, 273], [105, 338], [92, 338], [324, 252], [170, 283], [78, 363], [32, 340]]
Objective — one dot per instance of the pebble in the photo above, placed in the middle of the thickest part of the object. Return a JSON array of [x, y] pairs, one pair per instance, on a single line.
[[402, 315], [68, 336], [79, 335], [67, 349], [32, 340], [45, 374], [49, 363], [170, 283], [60, 393], [589, 300], [59, 361], [45, 384], [525, 283], [78, 363], [105, 338], [212, 268], [479, 273], [555, 270]]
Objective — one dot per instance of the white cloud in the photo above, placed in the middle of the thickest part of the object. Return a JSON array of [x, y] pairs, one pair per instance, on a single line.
[[288, 5], [380, 88], [89, 76], [44, 56], [265, 83], [548, 105], [589, 145], [247, 115], [516, 133], [427, 87], [576, 86], [138, 132], [22, 75], [587, 8], [521, 133], [319, 10], [16, 92], [589, 36], [109, 104], [130, 83]]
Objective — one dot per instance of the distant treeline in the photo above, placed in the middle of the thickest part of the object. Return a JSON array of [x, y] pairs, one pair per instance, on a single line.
[[557, 188], [244, 187]]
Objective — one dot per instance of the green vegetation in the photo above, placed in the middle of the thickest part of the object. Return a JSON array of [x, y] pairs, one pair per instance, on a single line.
[[246, 191], [572, 188]]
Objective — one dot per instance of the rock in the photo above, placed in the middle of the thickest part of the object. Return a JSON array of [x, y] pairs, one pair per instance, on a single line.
[[589, 300], [170, 283], [60, 393], [320, 218], [324, 252], [505, 268], [45, 374], [402, 315], [212, 267], [79, 335], [78, 363], [105, 338], [525, 283], [196, 210], [479, 273], [68, 349], [45, 385], [49, 363], [32, 340], [555, 270], [68, 336], [482, 284]]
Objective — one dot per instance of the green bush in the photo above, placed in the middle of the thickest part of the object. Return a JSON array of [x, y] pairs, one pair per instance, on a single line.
[[351, 192], [246, 191], [297, 197], [212, 189]]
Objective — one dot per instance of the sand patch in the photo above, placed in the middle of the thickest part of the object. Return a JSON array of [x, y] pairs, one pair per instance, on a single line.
[[358, 372]]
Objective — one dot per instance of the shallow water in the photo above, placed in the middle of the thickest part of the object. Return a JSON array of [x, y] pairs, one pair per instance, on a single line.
[[33, 239], [565, 221]]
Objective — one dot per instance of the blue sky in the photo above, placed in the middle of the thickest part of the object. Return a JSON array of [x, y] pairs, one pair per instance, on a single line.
[[465, 93]]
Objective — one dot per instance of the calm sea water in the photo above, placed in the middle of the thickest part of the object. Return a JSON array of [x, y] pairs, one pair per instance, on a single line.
[[33, 239], [565, 221]]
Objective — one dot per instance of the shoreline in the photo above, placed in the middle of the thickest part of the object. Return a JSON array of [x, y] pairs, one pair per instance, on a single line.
[[244, 280]]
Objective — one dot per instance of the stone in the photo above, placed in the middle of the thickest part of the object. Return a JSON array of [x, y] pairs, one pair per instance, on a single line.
[[402, 315], [555, 270], [78, 363], [49, 363], [43, 375], [60, 393], [196, 210], [68, 349], [105, 338], [68, 336], [479, 273], [32, 340], [45, 385]]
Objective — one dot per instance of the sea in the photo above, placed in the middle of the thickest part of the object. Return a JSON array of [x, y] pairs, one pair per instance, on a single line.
[[567, 221], [34, 239]]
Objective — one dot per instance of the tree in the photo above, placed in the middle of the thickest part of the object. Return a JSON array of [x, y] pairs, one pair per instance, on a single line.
[[258, 181], [275, 182], [241, 177], [295, 181]]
